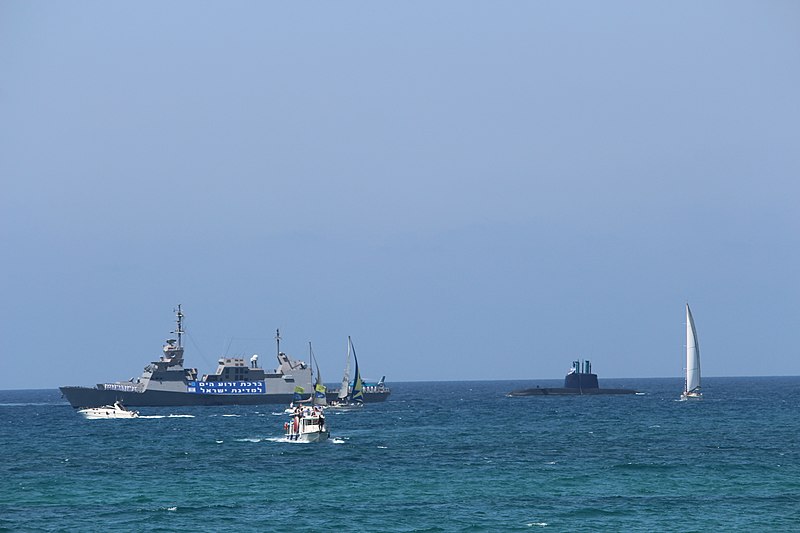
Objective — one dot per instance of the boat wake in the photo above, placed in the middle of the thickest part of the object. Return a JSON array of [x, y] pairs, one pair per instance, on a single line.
[[166, 416], [32, 404], [287, 441]]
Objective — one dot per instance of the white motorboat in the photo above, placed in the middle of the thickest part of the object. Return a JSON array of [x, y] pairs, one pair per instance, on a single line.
[[117, 410], [692, 387], [307, 425]]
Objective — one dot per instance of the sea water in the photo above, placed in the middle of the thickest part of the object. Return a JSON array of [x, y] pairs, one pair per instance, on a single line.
[[453, 456]]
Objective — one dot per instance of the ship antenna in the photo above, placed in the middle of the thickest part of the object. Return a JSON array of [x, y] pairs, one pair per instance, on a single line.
[[278, 339], [179, 319]]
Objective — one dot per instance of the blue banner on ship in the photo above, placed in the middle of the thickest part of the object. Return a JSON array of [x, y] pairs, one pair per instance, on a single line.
[[227, 387]]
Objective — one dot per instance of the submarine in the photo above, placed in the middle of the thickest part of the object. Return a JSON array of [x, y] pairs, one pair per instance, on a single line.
[[579, 380]]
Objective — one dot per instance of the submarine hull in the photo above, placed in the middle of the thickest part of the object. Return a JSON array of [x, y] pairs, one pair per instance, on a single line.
[[561, 391]]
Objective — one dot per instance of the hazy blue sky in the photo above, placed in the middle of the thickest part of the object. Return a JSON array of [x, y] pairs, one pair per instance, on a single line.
[[472, 190]]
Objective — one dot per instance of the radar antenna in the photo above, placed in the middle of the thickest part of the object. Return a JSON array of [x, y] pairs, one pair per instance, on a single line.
[[179, 320]]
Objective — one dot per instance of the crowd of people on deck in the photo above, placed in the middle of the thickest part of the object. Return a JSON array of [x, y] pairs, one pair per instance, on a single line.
[[292, 429]]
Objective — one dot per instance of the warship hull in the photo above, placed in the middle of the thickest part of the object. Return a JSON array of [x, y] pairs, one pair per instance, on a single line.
[[80, 397]]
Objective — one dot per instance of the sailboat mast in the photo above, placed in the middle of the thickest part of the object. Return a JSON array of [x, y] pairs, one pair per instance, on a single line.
[[688, 350]]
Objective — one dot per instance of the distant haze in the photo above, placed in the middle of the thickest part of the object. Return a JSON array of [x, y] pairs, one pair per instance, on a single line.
[[470, 190]]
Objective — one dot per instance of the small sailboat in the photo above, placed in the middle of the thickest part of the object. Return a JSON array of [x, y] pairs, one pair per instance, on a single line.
[[692, 386], [347, 397], [357, 395], [344, 390], [318, 396]]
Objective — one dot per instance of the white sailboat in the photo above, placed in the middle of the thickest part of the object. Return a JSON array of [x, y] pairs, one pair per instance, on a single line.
[[692, 386], [344, 390], [349, 398]]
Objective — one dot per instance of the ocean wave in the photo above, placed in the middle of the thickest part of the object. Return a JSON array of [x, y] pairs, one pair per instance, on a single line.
[[29, 404]]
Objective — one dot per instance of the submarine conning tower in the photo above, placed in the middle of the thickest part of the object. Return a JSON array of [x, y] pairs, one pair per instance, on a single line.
[[581, 377]]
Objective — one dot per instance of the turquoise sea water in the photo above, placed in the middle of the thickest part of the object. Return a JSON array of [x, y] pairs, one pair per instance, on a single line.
[[455, 456]]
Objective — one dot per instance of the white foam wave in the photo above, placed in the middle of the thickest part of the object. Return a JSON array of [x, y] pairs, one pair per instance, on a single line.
[[233, 415], [537, 524], [21, 404], [166, 416]]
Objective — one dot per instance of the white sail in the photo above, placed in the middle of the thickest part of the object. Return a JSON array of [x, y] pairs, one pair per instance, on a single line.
[[692, 355], [344, 390]]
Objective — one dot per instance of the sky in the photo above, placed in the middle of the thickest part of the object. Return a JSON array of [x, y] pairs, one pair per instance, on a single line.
[[471, 190]]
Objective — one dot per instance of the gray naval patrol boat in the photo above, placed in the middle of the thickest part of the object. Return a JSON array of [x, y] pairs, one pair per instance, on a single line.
[[166, 382]]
